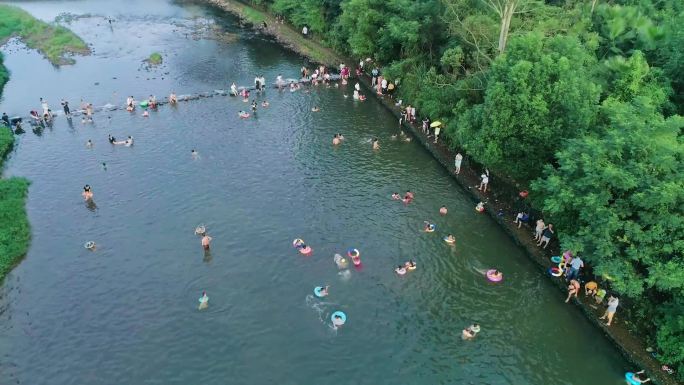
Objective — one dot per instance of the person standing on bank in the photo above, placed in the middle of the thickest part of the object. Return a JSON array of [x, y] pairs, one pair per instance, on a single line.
[[613, 303], [457, 163], [575, 265]]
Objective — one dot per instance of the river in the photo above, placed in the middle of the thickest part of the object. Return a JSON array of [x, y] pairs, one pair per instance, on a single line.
[[127, 312]]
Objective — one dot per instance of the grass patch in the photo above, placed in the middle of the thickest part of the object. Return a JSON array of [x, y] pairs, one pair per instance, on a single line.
[[155, 58], [253, 16], [14, 226], [53, 41], [4, 76]]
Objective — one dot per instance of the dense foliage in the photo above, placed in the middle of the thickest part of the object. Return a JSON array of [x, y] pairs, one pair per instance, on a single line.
[[577, 99]]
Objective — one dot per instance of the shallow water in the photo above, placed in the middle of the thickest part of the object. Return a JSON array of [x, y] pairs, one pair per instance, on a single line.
[[127, 312]]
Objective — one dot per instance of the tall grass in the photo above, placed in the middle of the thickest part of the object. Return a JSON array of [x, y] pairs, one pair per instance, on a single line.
[[54, 41]]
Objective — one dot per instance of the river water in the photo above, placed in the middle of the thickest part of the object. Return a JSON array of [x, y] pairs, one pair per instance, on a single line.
[[127, 312]]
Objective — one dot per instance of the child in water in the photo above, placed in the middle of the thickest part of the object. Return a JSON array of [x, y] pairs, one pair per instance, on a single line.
[[443, 210], [203, 301], [376, 144], [396, 196], [336, 140], [470, 332], [87, 193]]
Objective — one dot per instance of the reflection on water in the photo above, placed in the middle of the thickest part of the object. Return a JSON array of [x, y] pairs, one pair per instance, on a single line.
[[127, 313]]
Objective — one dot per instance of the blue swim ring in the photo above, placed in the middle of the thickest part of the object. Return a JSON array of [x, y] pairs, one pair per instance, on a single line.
[[338, 322], [629, 376], [317, 291]]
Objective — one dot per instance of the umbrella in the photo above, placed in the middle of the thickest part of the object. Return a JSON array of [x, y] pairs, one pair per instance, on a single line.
[[435, 124]]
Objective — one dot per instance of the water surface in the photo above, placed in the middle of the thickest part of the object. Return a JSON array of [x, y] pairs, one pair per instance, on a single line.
[[127, 313]]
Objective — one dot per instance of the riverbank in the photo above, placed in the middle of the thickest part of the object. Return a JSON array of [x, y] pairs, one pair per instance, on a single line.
[[55, 42], [502, 197]]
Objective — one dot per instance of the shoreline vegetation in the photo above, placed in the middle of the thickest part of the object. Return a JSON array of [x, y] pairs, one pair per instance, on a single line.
[[15, 232], [583, 114], [55, 42]]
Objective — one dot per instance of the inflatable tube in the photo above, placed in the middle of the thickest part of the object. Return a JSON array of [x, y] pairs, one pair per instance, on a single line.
[[446, 239], [556, 259], [629, 376], [200, 230], [479, 210], [353, 253], [431, 228], [556, 272], [491, 277], [400, 271], [89, 245], [297, 242], [144, 104], [356, 261], [411, 268], [338, 321], [244, 116], [306, 250], [317, 291]]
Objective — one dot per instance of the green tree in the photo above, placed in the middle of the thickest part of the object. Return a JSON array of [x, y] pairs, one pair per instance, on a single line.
[[539, 92]]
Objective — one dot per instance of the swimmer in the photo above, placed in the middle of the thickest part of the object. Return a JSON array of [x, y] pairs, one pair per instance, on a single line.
[[443, 210], [145, 114], [376, 144], [233, 90], [111, 139], [104, 166], [324, 291], [337, 321], [243, 114], [194, 153], [480, 207], [254, 105], [340, 261], [410, 265], [87, 193], [496, 275], [429, 227], [401, 270], [340, 136], [89, 143], [265, 104], [173, 99], [396, 196], [470, 332], [315, 109], [394, 136], [408, 195], [336, 140], [450, 239], [206, 239], [152, 101], [129, 141], [203, 301]]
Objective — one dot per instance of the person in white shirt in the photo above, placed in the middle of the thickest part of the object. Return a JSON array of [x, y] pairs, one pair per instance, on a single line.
[[485, 181]]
